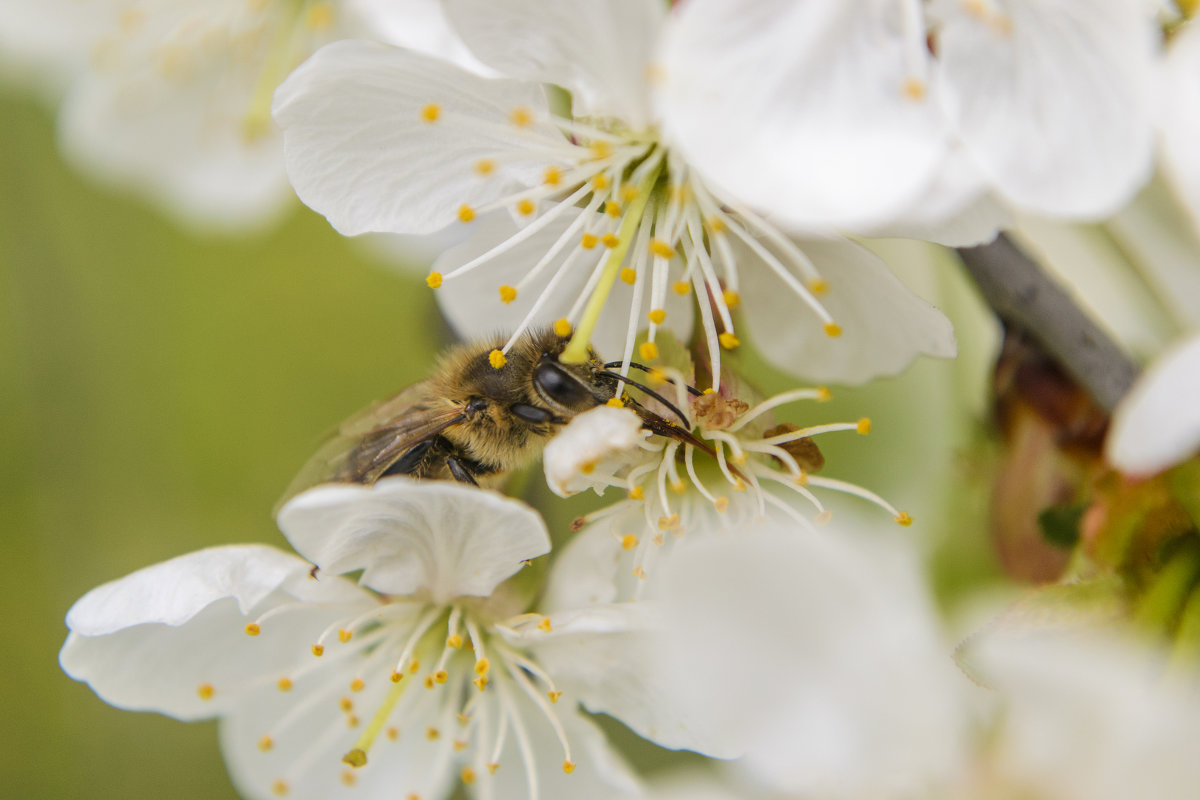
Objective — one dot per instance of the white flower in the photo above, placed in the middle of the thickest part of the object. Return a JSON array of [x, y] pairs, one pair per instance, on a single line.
[[381, 139], [1157, 425], [1180, 109], [325, 689], [603, 434], [171, 97]]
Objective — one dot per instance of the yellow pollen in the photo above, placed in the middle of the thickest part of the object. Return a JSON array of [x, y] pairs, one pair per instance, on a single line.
[[481, 682], [824, 518], [864, 426], [284, 684], [279, 788], [648, 351], [661, 249], [459, 745], [629, 541], [677, 487], [521, 116], [434, 280], [681, 287], [351, 721], [639, 573], [715, 225], [252, 629], [823, 394], [485, 166], [319, 17], [345, 635], [465, 214], [818, 286], [266, 743], [610, 240], [346, 705], [658, 316], [601, 149], [357, 685], [739, 458], [492, 768], [659, 539], [525, 206], [497, 359], [600, 181], [612, 208], [914, 89], [728, 340], [431, 112], [732, 299], [429, 684], [588, 240], [463, 719], [833, 330], [348, 778], [710, 390], [802, 478], [544, 625], [554, 695], [568, 767], [722, 504], [615, 402], [482, 666], [396, 677], [432, 734], [441, 676], [739, 486], [454, 642], [413, 666], [467, 775], [629, 193], [903, 518], [393, 733], [629, 275], [587, 467], [205, 691], [664, 523], [552, 176], [355, 758], [508, 294], [636, 493]]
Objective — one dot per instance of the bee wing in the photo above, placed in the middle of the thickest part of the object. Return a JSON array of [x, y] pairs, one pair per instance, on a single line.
[[368, 443]]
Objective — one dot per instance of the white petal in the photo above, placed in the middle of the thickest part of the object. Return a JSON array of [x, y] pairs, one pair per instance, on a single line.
[[409, 536], [588, 439], [598, 51], [1157, 425], [1181, 118], [473, 306], [1053, 99], [820, 655], [419, 25], [150, 640], [884, 325], [799, 108], [359, 152]]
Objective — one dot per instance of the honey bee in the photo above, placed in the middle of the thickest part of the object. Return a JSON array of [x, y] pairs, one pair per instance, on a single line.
[[471, 421]]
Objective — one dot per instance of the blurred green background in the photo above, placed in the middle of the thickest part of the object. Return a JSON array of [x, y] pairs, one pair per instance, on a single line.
[[159, 391]]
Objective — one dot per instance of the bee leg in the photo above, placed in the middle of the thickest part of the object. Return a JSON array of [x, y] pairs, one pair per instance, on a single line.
[[407, 463], [460, 471]]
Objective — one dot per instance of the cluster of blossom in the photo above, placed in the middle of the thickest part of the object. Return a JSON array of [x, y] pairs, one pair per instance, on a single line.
[[635, 173]]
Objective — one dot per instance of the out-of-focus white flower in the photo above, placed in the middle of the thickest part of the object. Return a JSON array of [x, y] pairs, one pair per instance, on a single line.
[[1180, 109], [171, 98], [327, 689], [381, 139], [1157, 425]]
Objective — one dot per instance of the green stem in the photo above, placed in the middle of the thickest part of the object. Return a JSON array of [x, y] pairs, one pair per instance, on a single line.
[[1161, 603]]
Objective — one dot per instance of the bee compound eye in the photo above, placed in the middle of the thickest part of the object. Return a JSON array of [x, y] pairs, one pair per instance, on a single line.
[[558, 385]]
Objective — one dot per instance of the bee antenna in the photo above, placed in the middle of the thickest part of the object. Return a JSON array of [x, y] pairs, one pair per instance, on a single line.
[[692, 390], [650, 392]]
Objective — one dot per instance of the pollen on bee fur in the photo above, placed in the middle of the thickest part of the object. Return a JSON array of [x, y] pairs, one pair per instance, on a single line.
[[497, 359], [648, 351], [661, 249], [864, 426], [562, 328], [465, 214], [681, 287], [252, 629], [615, 402], [903, 518], [434, 280], [521, 116], [728, 340], [431, 112], [658, 316], [629, 541], [629, 275], [833, 330], [508, 294]]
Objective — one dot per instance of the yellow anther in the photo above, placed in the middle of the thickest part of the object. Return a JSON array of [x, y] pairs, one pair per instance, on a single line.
[[629, 193], [678, 487], [823, 394], [492, 767], [681, 287], [396, 677], [554, 695], [648, 351], [664, 523], [661, 249], [615, 402], [355, 758], [432, 734], [544, 625], [818, 286], [252, 629], [629, 541], [431, 112], [709, 390], [357, 685], [429, 684], [721, 505], [612, 208], [349, 778], [521, 116], [346, 705], [728, 340], [205, 691], [903, 518], [497, 359], [467, 774], [465, 214], [715, 225], [525, 206], [802, 478], [568, 767], [601, 149], [732, 298], [434, 280], [393, 733], [914, 89], [864, 426], [658, 316], [284, 684], [463, 719], [629, 275], [454, 642], [824, 518], [552, 176], [587, 467], [657, 376], [266, 743], [279, 788], [351, 721], [600, 181], [485, 166], [441, 676], [639, 573], [673, 521], [636, 493], [739, 485], [508, 294], [319, 17], [833, 330], [659, 539], [345, 635], [481, 682], [588, 240], [482, 666], [738, 458], [414, 666], [610, 240], [459, 745]]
